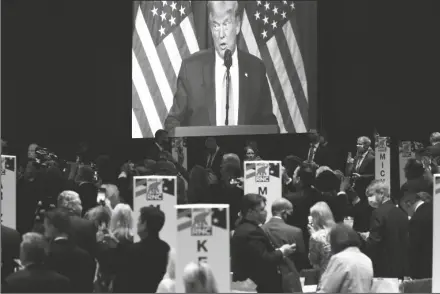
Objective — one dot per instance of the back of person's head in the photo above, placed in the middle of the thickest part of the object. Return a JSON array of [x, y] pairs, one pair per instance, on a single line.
[[159, 134], [112, 194], [282, 207], [33, 249], [327, 181], [198, 278], [151, 221], [322, 169], [306, 175], [121, 223], [85, 174], [253, 207], [343, 237], [99, 215], [434, 138], [230, 166], [322, 215], [70, 201], [290, 163], [56, 223], [414, 169]]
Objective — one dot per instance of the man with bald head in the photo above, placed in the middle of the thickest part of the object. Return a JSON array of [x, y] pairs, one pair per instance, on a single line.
[[201, 99], [281, 233]]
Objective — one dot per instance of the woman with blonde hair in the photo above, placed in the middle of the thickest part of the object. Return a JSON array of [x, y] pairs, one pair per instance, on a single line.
[[121, 223], [167, 285], [321, 222], [198, 278]]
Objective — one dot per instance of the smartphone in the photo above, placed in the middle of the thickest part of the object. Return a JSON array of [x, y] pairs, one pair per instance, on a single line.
[[101, 195]]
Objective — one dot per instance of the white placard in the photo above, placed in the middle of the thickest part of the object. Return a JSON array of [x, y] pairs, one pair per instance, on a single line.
[[264, 178], [383, 160], [203, 236], [158, 191], [8, 191], [436, 237]]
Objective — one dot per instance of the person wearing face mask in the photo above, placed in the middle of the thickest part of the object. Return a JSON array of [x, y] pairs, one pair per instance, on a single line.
[[361, 167], [387, 242], [420, 234], [201, 98], [280, 233], [253, 255]]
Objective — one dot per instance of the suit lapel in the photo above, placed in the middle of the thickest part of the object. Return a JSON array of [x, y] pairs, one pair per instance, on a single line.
[[208, 75], [243, 74], [364, 163]]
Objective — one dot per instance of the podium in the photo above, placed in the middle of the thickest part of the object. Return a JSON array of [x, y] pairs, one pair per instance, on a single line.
[[210, 131]]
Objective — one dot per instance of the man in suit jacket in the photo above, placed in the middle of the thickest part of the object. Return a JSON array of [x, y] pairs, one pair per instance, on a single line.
[[159, 146], [387, 242], [361, 168], [34, 277], [318, 152], [281, 233], [10, 250], [65, 257], [420, 235], [145, 262], [253, 256], [213, 157], [200, 98]]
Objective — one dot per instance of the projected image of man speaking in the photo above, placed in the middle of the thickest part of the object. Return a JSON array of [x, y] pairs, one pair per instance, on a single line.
[[202, 99]]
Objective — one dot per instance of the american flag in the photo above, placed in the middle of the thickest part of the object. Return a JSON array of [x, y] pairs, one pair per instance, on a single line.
[[164, 35]]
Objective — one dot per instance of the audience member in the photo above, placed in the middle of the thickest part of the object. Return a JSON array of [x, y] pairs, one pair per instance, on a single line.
[[253, 256], [322, 222], [10, 250], [65, 257], [280, 233], [121, 223], [167, 285], [387, 241], [34, 277], [198, 186], [144, 263], [198, 278], [349, 270], [328, 184]]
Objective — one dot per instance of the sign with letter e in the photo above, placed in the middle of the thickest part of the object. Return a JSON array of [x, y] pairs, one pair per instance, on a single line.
[[203, 236]]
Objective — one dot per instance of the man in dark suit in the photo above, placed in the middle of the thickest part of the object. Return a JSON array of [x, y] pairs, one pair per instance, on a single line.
[[387, 241], [65, 257], [318, 152], [34, 277], [281, 233], [145, 262], [10, 250], [159, 146], [420, 235], [83, 231], [253, 256], [213, 157], [361, 167], [200, 98]]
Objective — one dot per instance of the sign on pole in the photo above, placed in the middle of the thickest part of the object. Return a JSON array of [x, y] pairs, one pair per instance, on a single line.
[[159, 191], [264, 178], [203, 236], [383, 160], [8, 191], [436, 237]]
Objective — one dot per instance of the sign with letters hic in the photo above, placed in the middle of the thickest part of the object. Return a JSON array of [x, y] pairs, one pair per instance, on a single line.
[[407, 150], [159, 191], [264, 178], [436, 236], [8, 191], [383, 160], [203, 236]]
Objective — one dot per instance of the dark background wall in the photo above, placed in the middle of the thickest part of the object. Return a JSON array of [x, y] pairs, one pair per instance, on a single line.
[[66, 72]]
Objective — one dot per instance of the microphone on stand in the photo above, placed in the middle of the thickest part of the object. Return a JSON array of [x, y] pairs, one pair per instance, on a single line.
[[228, 64]]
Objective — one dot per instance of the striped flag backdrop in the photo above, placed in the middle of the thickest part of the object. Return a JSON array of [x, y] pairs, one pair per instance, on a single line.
[[164, 34]]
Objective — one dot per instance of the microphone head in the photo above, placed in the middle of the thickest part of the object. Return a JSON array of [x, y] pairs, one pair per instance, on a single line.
[[228, 58]]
